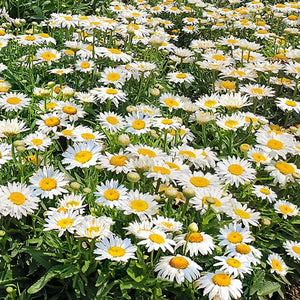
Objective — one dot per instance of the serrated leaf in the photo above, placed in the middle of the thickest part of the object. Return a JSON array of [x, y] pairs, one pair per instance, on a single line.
[[268, 287]]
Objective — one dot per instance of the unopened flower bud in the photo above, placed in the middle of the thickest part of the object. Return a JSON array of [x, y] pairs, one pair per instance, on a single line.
[[155, 92], [75, 185], [124, 140], [210, 200], [154, 134], [87, 190], [21, 149], [51, 84], [10, 289], [98, 167], [18, 143], [171, 193], [2, 233], [188, 192], [131, 109], [133, 177], [193, 227], [245, 147], [266, 221], [296, 175]]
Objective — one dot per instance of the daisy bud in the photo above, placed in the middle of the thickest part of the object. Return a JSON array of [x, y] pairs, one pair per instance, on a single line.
[[188, 192], [154, 134], [210, 200], [97, 10], [245, 147], [17, 23], [157, 198], [23, 21], [10, 289], [293, 129], [124, 140], [159, 86], [155, 92], [68, 92], [87, 190], [21, 149], [119, 43], [84, 245], [266, 221], [131, 109], [178, 119], [296, 175], [171, 193], [193, 227], [98, 167], [75, 185], [133, 177], [18, 143], [2, 233]]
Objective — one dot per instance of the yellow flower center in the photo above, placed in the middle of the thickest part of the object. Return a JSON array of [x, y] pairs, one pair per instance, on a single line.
[[265, 191], [48, 56], [219, 57], [234, 237], [48, 184], [167, 224], [210, 103], [258, 157], [112, 120], [30, 38], [228, 85], [85, 65], [83, 156], [286, 209], [17, 198], [69, 52], [114, 51], [52, 121], [231, 123], [194, 237], [181, 75], [275, 144], [37, 142], [257, 91], [179, 262], [69, 110], [138, 124], [111, 91], [72, 204], [235, 169], [276, 265], [2, 33], [88, 136], [296, 249], [188, 153], [217, 201], [147, 152], [231, 41], [243, 249], [13, 100], [262, 31], [221, 280], [67, 18], [162, 170], [156, 238], [116, 251], [241, 213], [67, 132], [139, 205], [113, 76], [44, 35], [118, 160], [167, 121], [111, 195], [51, 105], [293, 18], [63, 223], [199, 181], [250, 119], [290, 103], [234, 263], [171, 102], [284, 168], [92, 230], [62, 209]]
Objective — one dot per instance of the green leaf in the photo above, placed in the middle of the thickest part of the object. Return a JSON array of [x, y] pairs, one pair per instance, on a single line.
[[269, 287]]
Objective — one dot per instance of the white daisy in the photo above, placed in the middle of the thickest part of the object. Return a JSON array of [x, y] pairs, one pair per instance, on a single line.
[[14, 101], [292, 249], [277, 264], [286, 208]]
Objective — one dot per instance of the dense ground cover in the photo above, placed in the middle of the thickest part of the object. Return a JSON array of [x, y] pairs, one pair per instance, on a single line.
[[149, 150]]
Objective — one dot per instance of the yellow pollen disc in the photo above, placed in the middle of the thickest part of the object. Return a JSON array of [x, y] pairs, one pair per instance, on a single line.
[[261, 31], [231, 123], [88, 136], [111, 195], [221, 280], [179, 262], [234, 263], [199, 181], [210, 103], [293, 18], [85, 65], [2, 33], [37, 142], [181, 75], [72, 203], [48, 56], [167, 121], [257, 91], [92, 230], [232, 41], [62, 209], [217, 201], [219, 57], [139, 205], [284, 168], [13, 100], [194, 237], [30, 38], [276, 265], [156, 238], [67, 18], [118, 160], [290, 103], [69, 52], [83, 156], [138, 124], [296, 249], [234, 237], [63, 223], [280, 5], [44, 35], [265, 191], [113, 76], [275, 144], [243, 249], [114, 51], [258, 157], [241, 213], [168, 225], [146, 152], [67, 132], [173, 166], [52, 121], [116, 251], [188, 153], [48, 184], [17, 198], [286, 209], [111, 91], [95, 23], [235, 169], [250, 119], [162, 170], [69, 110], [240, 73], [171, 102], [89, 48], [260, 23], [228, 85], [112, 120]]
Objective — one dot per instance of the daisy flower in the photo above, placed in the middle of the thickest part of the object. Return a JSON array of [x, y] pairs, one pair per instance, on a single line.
[[142, 205], [38, 141], [86, 134], [235, 171], [82, 155], [48, 183], [286, 208], [14, 101], [178, 77], [167, 224], [69, 110], [47, 55], [177, 267], [12, 127], [257, 91], [84, 66], [292, 249], [287, 104], [85, 98], [111, 193], [4, 85], [169, 100], [72, 201], [234, 234], [141, 151], [17, 200], [5, 153], [105, 94], [277, 264], [116, 76], [115, 249], [195, 243], [115, 55], [165, 123], [137, 123], [220, 285], [233, 101], [264, 192], [50, 122], [160, 171], [258, 156], [61, 72], [111, 121], [282, 171], [232, 122], [63, 221], [157, 239], [138, 228], [116, 162]]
